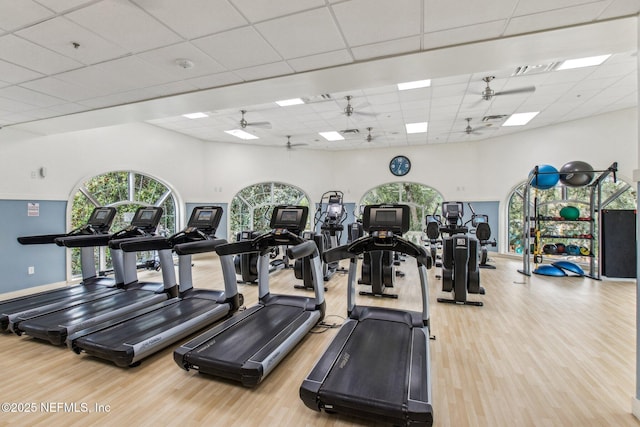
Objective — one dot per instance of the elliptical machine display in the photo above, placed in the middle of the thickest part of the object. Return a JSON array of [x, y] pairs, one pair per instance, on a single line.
[[460, 270]]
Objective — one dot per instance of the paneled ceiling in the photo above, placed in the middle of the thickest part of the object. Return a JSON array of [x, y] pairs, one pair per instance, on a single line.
[[73, 64]]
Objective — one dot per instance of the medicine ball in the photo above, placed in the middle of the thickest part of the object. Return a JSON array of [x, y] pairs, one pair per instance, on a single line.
[[560, 248], [570, 213], [576, 174], [572, 250], [546, 178], [584, 251], [550, 249]]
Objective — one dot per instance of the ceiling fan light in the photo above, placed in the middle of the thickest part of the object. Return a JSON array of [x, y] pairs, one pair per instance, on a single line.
[[590, 61], [331, 136], [520, 119], [239, 133], [414, 85]]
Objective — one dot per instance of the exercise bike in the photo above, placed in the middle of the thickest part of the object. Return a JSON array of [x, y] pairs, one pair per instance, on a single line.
[[460, 271]]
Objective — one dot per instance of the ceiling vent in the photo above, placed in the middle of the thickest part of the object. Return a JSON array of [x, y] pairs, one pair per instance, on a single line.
[[317, 98], [494, 118], [528, 70], [350, 131]]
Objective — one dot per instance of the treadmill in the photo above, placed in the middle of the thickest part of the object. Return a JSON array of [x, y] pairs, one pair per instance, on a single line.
[[250, 344], [128, 295], [127, 340], [98, 225], [377, 367]]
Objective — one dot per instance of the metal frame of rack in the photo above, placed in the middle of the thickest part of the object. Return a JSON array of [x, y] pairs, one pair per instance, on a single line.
[[595, 204]]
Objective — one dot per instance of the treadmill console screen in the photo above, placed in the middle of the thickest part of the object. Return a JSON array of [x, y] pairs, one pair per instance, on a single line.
[[292, 218], [394, 218], [147, 218], [452, 210], [205, 218], [102, 217]]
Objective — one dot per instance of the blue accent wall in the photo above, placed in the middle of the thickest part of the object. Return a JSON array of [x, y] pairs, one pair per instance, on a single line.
[[348, 207], [15, 259], [221, 233]]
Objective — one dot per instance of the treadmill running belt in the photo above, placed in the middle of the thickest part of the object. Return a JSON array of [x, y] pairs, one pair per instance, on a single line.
[[231, 346], [372, 369]]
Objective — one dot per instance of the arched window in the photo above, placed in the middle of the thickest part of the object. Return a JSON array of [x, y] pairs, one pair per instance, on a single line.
[[251, 207], [126, 191], [422, 199], [614, 195]]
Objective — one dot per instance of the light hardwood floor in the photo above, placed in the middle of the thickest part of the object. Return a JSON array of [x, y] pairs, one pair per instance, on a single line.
[[543, 351]]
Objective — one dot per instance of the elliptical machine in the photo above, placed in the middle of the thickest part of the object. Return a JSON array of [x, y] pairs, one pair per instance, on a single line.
[[482, 230], [331, 221], [460, 271]]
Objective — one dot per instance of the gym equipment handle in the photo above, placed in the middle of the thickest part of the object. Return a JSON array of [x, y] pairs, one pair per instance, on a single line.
[[302, 250], [199, 247]]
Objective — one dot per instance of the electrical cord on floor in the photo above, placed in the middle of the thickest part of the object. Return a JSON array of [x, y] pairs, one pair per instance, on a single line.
[[324, 326]]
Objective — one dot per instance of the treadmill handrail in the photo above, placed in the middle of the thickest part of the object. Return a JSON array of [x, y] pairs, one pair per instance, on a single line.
[[262, 243], [203, 246], [373, 243], [84, 241], [302, 250], [154, 243]]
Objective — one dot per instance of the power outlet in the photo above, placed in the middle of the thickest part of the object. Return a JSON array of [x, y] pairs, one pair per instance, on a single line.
[[31, 270]]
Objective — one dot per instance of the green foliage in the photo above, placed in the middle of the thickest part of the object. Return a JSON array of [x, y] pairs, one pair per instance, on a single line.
[[251, 208], [127, 191]]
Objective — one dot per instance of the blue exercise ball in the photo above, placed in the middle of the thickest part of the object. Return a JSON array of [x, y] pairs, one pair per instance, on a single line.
[[547, 177], [576, 174]]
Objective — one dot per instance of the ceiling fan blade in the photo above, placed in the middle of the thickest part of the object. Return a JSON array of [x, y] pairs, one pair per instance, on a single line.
[[265, 125], [516, 91]]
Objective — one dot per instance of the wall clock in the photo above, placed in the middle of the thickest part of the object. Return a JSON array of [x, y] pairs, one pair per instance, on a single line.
[[400, 165]]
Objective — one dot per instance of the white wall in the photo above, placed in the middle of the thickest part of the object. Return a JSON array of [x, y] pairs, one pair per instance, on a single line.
[[213, 172]]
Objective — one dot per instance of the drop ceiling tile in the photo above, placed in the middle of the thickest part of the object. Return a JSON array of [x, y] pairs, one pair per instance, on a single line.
[[260, 10], [321, 60], [387, 48], [620, 8], [59, 34], [165, 59], [470, 33], [440, 15], [133, 72], [58, 88], [371, 21], [239, 48], [63, 5], [15, 74], [26, 54], [553, 18], [15, 14], [215, 80], [264, 71], [117, 99], [531, 7], [125, 24], [7, 104], [306, 41], [29, 96], [171, 89], [195, 18]]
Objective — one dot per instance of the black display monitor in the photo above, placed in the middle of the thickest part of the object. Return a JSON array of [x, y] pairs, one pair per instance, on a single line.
[[102, 217], [205, 218], [147, 217], [292, 218], [334, 211], [452, 210], [394, 218], [479, 219]]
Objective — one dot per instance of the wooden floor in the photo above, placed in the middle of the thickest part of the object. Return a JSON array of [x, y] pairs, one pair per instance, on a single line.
[[543, 351]]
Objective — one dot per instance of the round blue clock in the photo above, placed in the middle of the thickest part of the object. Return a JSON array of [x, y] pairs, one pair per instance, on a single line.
[[400, 165]]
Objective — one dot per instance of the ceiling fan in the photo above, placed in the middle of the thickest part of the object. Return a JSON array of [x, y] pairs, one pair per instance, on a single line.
[[488, 93], [469, 130], [244, 123], [290, 146], [350, 110]]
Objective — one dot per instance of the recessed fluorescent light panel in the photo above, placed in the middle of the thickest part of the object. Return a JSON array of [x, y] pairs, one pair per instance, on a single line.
[[238, 133], [414, 85], [288, 102], [416, 127], [195, 115], [520, 119], [331, 136], [582, 62]]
